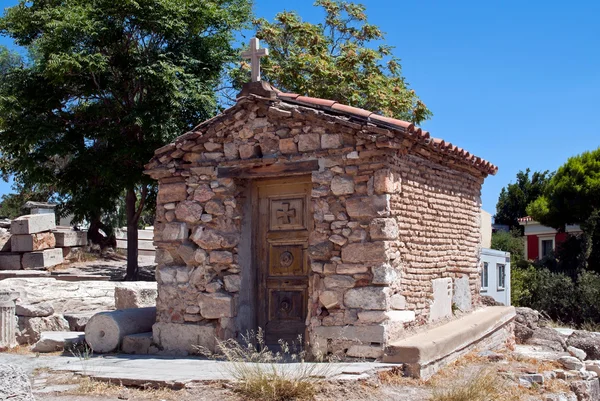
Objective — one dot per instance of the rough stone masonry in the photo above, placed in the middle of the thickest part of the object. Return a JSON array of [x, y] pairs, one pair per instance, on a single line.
[[394, 213]]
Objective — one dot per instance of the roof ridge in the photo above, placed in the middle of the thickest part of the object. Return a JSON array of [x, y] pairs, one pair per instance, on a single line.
[[436, 143]]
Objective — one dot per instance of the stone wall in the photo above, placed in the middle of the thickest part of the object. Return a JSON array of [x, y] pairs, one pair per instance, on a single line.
[[387, 221]]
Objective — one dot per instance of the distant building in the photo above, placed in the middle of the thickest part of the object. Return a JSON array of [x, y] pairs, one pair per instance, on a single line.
[[31, 207], [540, 240], [495, 275]]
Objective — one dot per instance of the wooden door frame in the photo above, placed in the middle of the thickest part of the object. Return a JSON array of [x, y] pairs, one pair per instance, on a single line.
[[260, 276]]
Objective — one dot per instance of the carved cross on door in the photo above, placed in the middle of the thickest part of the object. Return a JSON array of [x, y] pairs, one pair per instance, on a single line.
[[285, 214]]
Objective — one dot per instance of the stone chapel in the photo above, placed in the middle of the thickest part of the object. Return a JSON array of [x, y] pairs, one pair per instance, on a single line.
[[306, 217]]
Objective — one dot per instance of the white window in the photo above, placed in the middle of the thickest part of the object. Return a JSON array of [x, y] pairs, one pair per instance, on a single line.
[[484, 277], [546, 247], [501, 276]]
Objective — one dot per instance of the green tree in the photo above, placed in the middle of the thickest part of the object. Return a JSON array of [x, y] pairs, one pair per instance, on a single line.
[[512, 242], [514, 198], [572, 196], [11, 205], [109, 82], [342, 58]]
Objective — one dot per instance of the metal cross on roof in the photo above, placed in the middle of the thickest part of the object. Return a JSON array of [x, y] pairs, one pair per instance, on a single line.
[[254, 54]]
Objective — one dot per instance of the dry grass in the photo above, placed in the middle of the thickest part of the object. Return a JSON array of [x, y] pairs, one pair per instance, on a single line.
[[91, 387], [263, 374], [18, 350], [482, 386], [395, 377]]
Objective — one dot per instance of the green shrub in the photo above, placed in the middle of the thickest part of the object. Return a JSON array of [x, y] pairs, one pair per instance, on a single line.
[[563, 298]]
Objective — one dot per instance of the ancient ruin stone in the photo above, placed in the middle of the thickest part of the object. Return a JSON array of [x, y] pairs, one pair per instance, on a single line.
[[342, 185], [384, 274], [232, 282], [42, 309], [203, 193], [383, 229], [216, 305], [30, 328], [364, 252], [383, 182], [210, 239], [174, 232], [308, 142], [188, 211], [374, 298], [339, 281], [368, 207], [172, 192]]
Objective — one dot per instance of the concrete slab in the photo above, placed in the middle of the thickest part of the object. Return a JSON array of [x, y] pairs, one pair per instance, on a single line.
[[431, 345], [172, 372], [41, 259], [33, 223]]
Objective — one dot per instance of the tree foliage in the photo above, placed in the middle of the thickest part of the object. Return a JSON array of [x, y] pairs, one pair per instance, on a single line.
[[107, 84], [515, 197], [572, 196], [342, 58], [510, 242]]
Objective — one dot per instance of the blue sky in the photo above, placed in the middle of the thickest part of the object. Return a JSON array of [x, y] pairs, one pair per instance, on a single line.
[[515, 82]]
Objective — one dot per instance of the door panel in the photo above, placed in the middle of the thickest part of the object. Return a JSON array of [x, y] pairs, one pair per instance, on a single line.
[[283, 229]]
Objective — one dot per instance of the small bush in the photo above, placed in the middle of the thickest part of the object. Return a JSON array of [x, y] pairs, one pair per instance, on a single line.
[[262, 374], [571, 300]]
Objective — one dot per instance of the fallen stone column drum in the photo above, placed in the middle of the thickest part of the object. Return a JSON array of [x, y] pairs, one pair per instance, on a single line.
[[105, 330], [7, 319]]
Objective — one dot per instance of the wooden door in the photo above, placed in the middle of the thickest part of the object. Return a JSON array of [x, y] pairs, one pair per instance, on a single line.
[[281, 257]]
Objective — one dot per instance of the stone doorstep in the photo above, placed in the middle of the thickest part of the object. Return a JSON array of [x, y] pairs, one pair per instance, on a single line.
[[439, 342]]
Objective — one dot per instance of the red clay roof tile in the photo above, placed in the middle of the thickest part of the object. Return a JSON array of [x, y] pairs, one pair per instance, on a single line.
[[351, 110], [437, 144]]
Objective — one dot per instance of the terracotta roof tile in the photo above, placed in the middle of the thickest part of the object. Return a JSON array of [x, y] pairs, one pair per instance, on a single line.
[[525, 219], [351, 110], [315, 101], [437, 144]]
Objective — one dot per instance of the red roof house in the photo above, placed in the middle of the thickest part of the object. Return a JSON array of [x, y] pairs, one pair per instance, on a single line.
[[540, 240]]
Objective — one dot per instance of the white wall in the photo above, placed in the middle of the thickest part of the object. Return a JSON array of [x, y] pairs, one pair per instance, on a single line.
[[494, 258], [486, 229]]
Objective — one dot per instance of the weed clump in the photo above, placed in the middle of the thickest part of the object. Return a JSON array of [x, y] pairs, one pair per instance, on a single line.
[[263, 374]]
